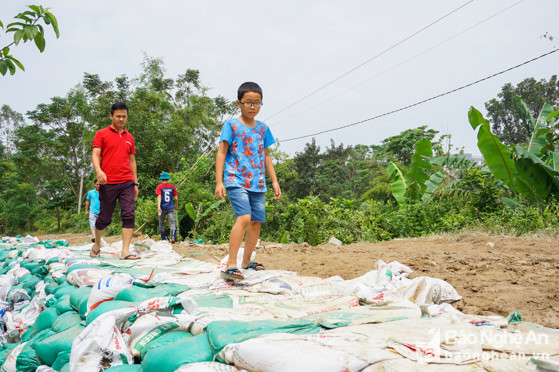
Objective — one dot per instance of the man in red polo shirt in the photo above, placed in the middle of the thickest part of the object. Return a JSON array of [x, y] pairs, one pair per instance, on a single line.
[[115, 164]]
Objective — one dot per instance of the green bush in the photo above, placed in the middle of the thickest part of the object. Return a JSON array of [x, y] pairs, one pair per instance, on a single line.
[[146, 215], [217, 227], [45, 221]]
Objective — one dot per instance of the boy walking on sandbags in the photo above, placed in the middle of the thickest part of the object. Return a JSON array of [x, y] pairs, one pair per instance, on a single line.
[[242, 159]]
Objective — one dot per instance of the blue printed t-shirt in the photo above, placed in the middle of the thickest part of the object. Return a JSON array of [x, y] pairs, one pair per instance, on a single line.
[[93, 197], [244, 162], [167, 192]]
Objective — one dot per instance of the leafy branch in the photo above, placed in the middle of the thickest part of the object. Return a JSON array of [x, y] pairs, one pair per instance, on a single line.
[[25, 28]]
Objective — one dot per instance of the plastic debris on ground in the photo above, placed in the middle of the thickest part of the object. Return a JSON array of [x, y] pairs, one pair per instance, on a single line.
[[61, 310]]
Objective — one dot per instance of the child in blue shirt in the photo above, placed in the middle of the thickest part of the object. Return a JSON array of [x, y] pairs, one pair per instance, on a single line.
[[92, 208], [241, 161]]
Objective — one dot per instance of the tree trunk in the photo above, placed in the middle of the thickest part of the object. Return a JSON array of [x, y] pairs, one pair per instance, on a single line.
[[29, 219], [80, 193], [58, 218]]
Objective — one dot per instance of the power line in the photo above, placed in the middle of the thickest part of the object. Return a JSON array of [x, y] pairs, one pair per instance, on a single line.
[[398, 65], [423, 101], [369, 60]]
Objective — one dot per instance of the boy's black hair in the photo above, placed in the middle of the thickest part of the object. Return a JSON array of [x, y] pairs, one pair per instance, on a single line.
[[249, 86], [118, 106]]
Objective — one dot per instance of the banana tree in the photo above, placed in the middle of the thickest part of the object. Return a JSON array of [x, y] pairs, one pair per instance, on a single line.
[[412, 185], [530, 172], [199, 216], [448, 181]]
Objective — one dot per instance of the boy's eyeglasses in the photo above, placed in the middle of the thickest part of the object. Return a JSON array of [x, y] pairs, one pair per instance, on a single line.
[[251, 104]]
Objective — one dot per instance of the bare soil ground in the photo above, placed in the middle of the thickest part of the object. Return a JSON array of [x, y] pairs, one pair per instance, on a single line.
[[493, 274]]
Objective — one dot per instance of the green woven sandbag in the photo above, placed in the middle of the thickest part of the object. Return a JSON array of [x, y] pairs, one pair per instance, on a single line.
[[64, 291], [29, 265], [4, 254], [53, 243], [27, 360], [61, 280], [25, 336], [40, 271], [49, 279], [45, 319], [78, 299], [62, 359], [7, 348], [170, 357], [166, 339], [223, 333], [31, 283], [49, 288], [33, 333], [40, 336], [66, 320], [126, 368], [49, 348], [52, 260], [106, 307], [63, 304], [62, 286], [26, 278], [65, 368], [137, 294]]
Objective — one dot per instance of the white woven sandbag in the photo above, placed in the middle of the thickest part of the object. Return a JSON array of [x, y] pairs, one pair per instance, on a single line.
[[425, 290], [106, 289], [309, 353], [298, 307], [101, 343], [87, 277]]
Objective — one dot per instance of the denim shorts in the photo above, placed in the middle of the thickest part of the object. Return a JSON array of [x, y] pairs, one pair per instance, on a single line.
[[92, 219], [248, 202]]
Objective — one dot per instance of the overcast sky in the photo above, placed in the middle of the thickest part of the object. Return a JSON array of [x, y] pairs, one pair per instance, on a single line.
[[292, 48]]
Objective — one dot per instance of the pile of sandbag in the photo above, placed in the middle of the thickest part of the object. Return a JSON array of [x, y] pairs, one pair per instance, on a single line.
[[61, 310]]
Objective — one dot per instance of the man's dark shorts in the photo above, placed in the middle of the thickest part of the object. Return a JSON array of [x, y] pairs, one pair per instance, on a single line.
[[108, 194]]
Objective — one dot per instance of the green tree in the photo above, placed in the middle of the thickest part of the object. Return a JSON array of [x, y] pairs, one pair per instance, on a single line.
[[69, 142], [10, 121], [305, 165], [26, 27], [332, 175], [401, 147], [509, 120]]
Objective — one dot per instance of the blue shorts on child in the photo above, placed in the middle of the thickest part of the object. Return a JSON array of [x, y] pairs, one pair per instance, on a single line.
[[248, 202]]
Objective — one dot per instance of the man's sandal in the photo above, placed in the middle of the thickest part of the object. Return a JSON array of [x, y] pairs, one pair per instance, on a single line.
[[94, 253], [255, 266], [232, 273], [131, 257]]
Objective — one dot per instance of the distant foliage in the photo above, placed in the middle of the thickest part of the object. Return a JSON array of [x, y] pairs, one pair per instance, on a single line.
[[507, 114]]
